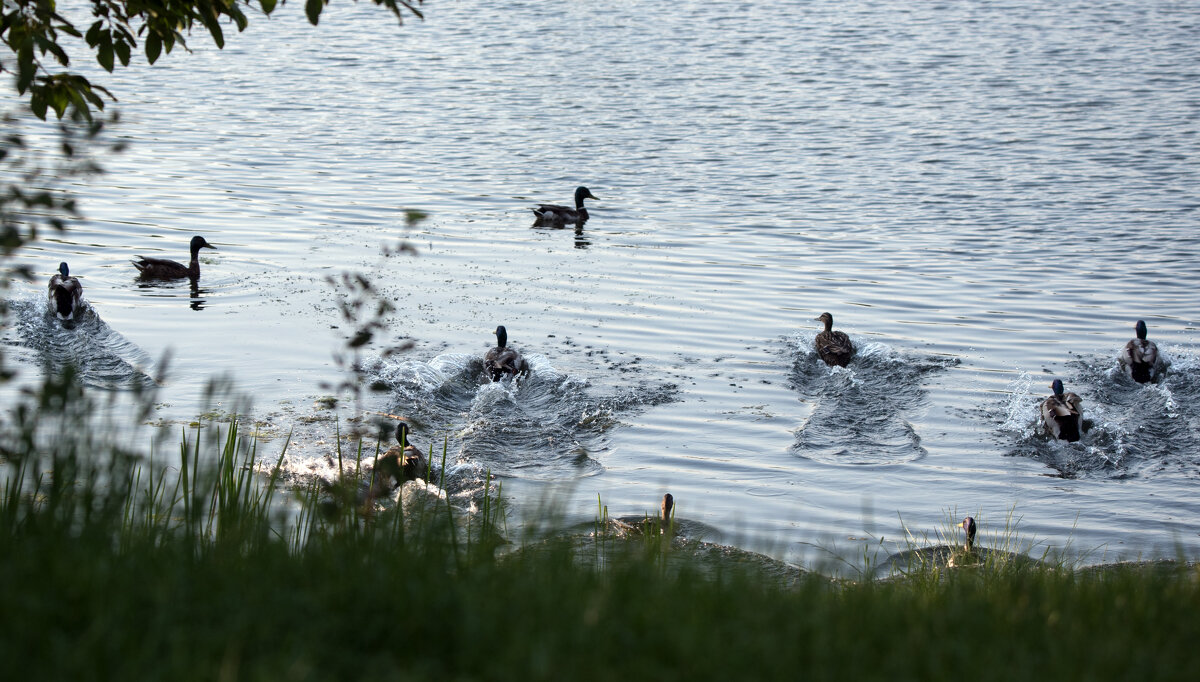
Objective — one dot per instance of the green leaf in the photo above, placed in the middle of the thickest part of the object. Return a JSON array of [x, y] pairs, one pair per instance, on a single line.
[[38, 104], [26, 68], [122, 49], [153, 47], [218, 35], [313, 9], [238, 18], [93, 34], [268, 6], [105, 54]]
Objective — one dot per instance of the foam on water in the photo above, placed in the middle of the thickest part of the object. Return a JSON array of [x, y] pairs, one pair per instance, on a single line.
[[1131, 429], [861, 412], [103, 357], [542, 426]]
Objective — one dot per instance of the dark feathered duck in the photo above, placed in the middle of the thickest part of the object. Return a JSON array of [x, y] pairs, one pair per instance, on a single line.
[[833, 347], [965, 555], [503, 361], [553, 215], [1139, 359], [1062, 414], [66, 293], [401, 463], [162, 268], [628, 526]]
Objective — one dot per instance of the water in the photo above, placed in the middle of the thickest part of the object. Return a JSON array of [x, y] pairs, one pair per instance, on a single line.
[[985, 195]]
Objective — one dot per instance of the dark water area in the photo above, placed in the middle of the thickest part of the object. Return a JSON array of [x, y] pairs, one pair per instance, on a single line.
[[986, 196]]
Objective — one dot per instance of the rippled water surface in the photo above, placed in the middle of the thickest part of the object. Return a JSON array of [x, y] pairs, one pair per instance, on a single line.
[[985, 195]]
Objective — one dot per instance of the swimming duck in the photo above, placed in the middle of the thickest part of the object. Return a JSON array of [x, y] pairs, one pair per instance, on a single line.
[[1062, 414], [162, 268], [66, 293], [553, 215], [834, 348], [1140, 358], [965, 555], [503, 360], [401, 463], [645, 525]]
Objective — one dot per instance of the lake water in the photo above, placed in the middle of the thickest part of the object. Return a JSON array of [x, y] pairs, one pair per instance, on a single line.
[[985, 195]]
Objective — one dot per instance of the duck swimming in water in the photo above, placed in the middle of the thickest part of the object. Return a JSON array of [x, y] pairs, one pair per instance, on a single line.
[[162, 268], [628, 526], [833, 347], [400, 464], [965, 555], [66, 293], [1062, 414], [502, 360], [1140, 358], [553, 215]]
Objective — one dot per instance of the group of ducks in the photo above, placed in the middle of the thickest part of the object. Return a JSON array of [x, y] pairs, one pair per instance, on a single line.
[[66, 293], [1062, 411]]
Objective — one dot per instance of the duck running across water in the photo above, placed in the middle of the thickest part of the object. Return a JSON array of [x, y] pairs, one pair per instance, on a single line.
[[553, 215], [400, 464], [162, 268], [834, 348], [502, 360], [1140, 358], [65, 293], [1062, 414]]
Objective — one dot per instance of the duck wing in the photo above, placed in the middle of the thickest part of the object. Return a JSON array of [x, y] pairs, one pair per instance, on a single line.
[[835, 348], [160, 267], [1139, 358], [66, 293]]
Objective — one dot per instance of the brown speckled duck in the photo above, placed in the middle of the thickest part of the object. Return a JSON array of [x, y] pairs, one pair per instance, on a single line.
[[66, 293], [833, 347], [162, 268], [1062, 414]]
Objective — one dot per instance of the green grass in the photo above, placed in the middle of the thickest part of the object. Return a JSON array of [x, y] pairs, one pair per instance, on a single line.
[[115, 565]]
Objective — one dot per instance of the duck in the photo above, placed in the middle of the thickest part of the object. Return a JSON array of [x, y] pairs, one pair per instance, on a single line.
[[400, 464], [1140, 358], [1062, 414], [965, 555], [502, 360], [65, 293], [627, 526], [833, 347], [162, 268], [553, 215]]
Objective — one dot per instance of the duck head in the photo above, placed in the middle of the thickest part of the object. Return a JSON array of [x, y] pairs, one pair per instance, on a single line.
[[198, 243], [1057, 387], [63, 270], [827, 320], [1139, 328], [501, 336], [968, 525], [402, 434], [582, 193], [668, 503]]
